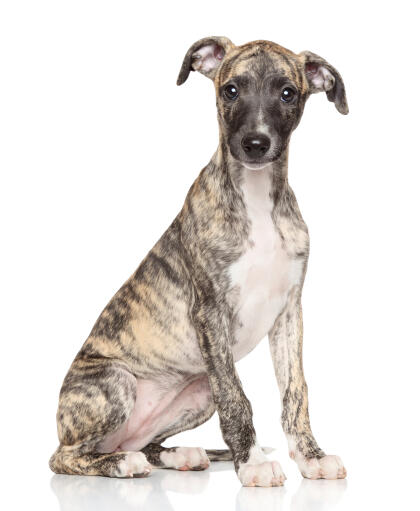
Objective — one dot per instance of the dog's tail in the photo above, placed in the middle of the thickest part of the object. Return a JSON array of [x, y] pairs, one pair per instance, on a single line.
[[226, 455]]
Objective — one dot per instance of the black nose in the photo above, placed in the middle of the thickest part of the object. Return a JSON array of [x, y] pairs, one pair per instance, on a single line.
[[255, 146]]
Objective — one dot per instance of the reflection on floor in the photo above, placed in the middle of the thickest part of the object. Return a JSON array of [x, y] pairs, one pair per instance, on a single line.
[[83, 493], [318, 495]]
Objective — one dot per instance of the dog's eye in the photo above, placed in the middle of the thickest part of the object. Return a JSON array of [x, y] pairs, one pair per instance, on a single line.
[[231, 92], [287, 94]]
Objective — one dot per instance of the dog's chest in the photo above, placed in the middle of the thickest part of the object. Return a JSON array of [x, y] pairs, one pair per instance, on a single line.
[[262, 277]]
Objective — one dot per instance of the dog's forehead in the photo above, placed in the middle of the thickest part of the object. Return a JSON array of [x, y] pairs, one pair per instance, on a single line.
[[257, 59]]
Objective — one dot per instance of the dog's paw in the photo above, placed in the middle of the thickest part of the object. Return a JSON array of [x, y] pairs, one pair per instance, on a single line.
[[134, 464], [267, 473], [328, 467], [185, 458]]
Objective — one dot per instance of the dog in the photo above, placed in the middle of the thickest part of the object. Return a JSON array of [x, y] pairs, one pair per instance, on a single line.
[[229, 270]]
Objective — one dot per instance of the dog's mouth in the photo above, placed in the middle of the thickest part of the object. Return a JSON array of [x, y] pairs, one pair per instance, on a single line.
[[255, 166]]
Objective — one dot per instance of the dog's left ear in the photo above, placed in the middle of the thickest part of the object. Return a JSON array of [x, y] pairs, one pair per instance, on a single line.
[[204, 56], [322, 76]]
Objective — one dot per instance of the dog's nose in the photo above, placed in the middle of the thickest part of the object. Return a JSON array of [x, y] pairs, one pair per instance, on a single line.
[[255, 146]]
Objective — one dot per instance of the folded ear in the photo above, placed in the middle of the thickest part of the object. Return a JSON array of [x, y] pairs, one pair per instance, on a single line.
[[322, 76], [204, 56]]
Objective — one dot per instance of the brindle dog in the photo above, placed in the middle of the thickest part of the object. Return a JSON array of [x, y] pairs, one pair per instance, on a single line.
[[229, 270]]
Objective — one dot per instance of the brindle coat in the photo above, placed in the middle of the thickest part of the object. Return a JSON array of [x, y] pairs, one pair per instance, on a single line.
[[175, 329]]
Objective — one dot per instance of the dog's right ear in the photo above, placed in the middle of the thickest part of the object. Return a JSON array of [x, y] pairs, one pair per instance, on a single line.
[[204, 56]]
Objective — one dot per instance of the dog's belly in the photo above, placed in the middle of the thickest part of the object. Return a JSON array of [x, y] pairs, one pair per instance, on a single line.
[[160, 404]]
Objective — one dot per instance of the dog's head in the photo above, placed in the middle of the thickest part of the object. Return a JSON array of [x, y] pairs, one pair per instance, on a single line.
[[261, 91]]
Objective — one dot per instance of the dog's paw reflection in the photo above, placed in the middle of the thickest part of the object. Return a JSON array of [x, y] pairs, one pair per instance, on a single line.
[[184, 482], [260, 499], [82, 493], [318, 495]]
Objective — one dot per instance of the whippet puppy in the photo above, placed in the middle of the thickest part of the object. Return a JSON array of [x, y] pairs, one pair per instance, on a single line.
[[228, 271]]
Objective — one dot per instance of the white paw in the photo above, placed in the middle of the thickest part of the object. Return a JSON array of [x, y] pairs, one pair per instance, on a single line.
[[185, 458], [267, 473], [134, 464], [328, 467]]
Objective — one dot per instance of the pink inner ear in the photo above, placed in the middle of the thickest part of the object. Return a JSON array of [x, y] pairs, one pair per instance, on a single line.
[[218, 52], [311, 68]]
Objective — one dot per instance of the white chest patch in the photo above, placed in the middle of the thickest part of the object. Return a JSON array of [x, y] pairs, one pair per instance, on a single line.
[[264, 274]]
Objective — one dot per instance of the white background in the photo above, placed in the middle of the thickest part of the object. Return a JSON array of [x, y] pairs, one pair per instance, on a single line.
[[98, 148]]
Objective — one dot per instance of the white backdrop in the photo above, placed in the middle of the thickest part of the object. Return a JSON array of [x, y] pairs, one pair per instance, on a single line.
[[98, 148]]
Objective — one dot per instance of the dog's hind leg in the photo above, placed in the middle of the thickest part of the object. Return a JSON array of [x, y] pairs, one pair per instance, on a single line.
[[185, 458], [192, 407], [117, 464], [96, 399], [179, 458]]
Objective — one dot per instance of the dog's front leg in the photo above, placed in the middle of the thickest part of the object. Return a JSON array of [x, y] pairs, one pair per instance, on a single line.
[[233, 407], [286, 351]]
